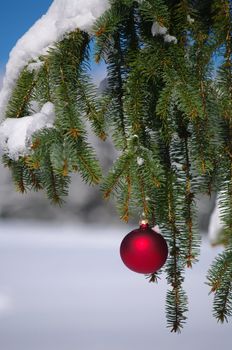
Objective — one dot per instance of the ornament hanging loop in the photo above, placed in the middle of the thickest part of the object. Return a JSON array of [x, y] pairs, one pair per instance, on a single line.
[[143, 223]]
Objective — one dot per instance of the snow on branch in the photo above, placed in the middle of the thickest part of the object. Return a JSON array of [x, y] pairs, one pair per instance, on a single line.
[[62, 17], [157, 29], [16, 133]]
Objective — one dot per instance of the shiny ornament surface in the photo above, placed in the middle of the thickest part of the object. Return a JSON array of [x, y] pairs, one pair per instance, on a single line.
[[143, 250]]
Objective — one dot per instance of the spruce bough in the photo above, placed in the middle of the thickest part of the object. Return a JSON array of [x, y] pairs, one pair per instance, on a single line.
[[168, 110]]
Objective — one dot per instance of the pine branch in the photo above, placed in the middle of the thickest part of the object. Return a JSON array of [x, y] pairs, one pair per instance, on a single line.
[[126, 192], [112, 182], [18, 105], [220, 281], [176, 302]]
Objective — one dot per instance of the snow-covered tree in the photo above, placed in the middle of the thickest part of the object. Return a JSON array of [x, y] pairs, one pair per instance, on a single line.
[[167, 108]]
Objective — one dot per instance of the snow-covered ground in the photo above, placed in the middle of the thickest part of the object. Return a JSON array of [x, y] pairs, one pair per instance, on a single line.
[[65, 288]]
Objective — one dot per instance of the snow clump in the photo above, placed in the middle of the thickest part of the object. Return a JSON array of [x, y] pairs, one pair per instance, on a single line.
[[140, 161], [16, 133], [157, 29]]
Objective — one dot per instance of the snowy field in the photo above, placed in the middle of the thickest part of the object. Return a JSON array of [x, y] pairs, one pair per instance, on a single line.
[[65, 288]]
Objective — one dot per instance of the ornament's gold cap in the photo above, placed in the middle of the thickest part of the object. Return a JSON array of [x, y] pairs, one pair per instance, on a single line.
[[143, 223]]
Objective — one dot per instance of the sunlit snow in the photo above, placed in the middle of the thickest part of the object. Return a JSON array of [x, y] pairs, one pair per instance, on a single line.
[[62, 17], [15, 134]]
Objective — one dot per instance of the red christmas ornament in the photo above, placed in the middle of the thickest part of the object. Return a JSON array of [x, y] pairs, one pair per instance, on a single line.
[[144, 250]]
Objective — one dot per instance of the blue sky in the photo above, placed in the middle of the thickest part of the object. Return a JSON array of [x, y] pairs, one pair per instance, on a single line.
[[16, 17]]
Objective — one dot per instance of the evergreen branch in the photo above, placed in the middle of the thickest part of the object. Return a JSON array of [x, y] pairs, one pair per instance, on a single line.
[[176, 298], [90, 173], [42, 90], [118, 171], [218, 270], [190, 257], [154, 277], [155, 10], [55, 185], [220, 281], [93, 112], [118, 89], [126, 201], [18, 178], [223, 309], [175, 309], [143, 194], [18, 105], [107, 24]]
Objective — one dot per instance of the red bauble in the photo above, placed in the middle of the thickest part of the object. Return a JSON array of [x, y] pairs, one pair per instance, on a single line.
[[144, 250]]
